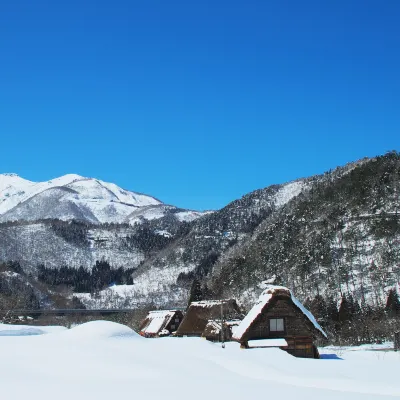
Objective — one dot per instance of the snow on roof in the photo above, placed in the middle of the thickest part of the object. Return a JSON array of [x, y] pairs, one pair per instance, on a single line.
[[263, 301], [158, 320], [208, 303], [213, 326], [308, 314]]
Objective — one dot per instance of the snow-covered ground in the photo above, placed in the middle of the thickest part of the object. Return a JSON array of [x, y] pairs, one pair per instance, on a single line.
[[288, 191], [134, 296], [28, 330], [102, 360]]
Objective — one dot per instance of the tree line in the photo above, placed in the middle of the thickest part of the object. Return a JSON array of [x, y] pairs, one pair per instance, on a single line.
[[82, 280], [354, 323]]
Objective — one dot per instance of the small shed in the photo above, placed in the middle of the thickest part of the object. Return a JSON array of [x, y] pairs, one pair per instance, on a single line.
[[161, 323], [213, 330], [278, 314], [200, 313]]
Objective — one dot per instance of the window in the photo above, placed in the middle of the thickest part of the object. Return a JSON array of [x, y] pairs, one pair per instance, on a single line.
[[172, 326], [276, 325], [177, 320]]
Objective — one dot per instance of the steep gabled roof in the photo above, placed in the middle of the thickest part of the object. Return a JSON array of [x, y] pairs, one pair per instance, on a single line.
[[201, 312], [213, 326], [262, 304], [156, 321]]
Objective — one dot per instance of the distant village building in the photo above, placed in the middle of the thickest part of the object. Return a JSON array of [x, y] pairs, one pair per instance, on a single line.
[[213, 330], [200, 313], [161, 323], [278, 319]]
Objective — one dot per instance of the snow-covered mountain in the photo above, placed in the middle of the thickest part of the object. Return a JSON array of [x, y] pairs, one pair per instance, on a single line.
[[326, 234], [76, 197]]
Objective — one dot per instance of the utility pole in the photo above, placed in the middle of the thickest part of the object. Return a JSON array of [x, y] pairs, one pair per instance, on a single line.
[[222, 325]]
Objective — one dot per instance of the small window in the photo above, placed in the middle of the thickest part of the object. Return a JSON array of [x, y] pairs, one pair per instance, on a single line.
[[172, 326], [177, 320], [276, 325]]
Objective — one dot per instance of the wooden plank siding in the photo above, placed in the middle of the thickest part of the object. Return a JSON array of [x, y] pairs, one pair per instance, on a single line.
[[298, 330], [294, 322]]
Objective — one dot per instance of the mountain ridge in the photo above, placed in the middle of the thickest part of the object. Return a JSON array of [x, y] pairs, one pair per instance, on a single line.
[[93, 200], [276, 233]]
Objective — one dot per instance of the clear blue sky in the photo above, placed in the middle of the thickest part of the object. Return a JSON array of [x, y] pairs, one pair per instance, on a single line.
[[196, 102]]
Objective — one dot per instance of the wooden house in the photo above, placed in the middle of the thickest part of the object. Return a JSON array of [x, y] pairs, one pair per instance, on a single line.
[[200, 313], [278, 319], [161, 323], [213, 330]]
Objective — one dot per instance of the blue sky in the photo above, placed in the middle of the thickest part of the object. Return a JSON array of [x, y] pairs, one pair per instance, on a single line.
[[196, 102]]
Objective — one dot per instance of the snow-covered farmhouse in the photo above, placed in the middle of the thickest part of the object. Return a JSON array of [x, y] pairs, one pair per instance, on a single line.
[[215, 330], [278, 319], [200, 313], [161, 323]]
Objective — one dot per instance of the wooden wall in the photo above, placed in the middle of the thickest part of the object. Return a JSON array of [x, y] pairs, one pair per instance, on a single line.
[[299, 332], [296, 323], [173, 325]]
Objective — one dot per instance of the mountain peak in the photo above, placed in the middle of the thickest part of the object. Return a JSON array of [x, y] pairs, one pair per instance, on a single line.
[[66, 179], [73, 196], [72, 176]]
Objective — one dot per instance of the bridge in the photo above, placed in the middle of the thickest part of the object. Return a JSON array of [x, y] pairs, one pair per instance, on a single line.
[[65, 311], [71, 311]]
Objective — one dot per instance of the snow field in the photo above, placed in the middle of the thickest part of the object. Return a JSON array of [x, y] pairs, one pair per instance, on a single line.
[[28, 330], [103, 360], [288, 191]]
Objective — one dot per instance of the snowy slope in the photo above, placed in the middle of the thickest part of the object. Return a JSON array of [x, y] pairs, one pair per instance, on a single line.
[[161, 210], [38, 244], [15, 190], [288, 191], [76, 197], [103, 360], [157, 278]]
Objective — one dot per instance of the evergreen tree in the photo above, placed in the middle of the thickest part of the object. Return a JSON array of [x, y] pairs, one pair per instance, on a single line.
[[344, 313], [196, 294], [332, 311], [393, 303], [355, 309], [318, 308]]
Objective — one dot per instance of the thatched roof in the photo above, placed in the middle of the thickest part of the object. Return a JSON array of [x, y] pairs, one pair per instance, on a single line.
[[156, 321], [201, 312], [265, 301], [214, 327]]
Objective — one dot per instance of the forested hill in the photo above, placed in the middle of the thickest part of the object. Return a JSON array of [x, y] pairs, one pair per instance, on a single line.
[[341, 236], [329, 235]]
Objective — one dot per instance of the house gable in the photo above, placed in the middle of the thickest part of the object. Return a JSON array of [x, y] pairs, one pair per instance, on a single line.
[[201, 312], [278, 314], [280, 307], [160, 320], [265, 304]]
